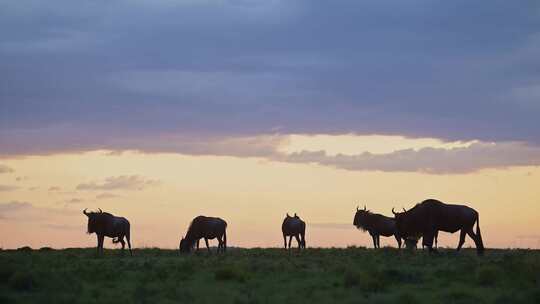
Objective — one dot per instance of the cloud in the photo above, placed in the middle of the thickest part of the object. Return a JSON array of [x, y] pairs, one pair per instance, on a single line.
[[8, 188], [454, 77], [54, 188], [5, 169], [25, 211], [6, 208], [106, 195], [332, 226], [122, 182], [22, 178], [61, 227], [75, 201], [429, 160]]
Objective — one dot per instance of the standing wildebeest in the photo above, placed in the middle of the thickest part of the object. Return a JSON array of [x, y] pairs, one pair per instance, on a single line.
[[104, 224], [376, 225], [294, 226], [431, 216], [207, 228]]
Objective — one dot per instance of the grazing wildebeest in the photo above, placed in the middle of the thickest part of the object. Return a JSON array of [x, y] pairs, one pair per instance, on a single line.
[[412, 241], [376, 225], [104, 224], [431, 216], [207, 228], [294, 226]]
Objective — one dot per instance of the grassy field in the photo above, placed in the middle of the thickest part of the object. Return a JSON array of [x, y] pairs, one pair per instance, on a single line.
[[352, 275]]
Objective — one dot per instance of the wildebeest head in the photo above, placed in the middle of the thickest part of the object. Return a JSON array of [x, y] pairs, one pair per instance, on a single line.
[[184, 247], [401, 222], [360, 217], [93, 220]]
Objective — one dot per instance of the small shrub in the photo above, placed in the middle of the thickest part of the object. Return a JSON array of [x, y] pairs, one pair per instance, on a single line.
[[25, 249], [22, 281]]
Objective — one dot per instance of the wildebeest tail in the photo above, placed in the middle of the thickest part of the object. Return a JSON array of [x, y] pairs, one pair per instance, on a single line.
[[480, 244], [116, 240]]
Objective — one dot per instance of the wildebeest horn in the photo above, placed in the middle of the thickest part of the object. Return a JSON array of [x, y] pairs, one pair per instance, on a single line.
[[84, 212], [404, 209], [395, 213], [100, 211], [288, 214], [357, 208], [365, 208]]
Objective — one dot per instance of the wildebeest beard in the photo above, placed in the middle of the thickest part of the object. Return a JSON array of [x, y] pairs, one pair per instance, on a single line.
[[97, 222], [363, 220]]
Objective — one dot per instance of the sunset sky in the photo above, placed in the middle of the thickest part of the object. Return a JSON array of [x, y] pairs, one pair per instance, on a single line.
[[163, 110]]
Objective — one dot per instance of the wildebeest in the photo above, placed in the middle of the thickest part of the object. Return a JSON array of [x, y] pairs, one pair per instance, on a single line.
[[431, 216], [294, 226], [207, 228], [104, 224], [376, 225]]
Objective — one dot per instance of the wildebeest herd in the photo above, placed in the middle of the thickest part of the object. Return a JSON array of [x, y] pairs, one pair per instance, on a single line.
[[424, 221]]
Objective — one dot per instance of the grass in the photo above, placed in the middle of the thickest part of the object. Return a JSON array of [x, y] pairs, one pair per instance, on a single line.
[[352, 275]]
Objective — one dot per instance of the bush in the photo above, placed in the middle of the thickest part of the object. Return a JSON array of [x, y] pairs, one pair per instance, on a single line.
[[22, 281]]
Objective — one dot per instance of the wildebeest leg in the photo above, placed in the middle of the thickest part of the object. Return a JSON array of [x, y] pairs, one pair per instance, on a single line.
[[100, 243], [220, 244], [398, 239], [224, 247], [427, 240], [198, 244], [207, 246], [129, 243], [303, 239], [121, 239], [477, 242], [462, 233], [436, 239], [297, 237], [284, 241], [378, 241], [374, 240], [290, 240]]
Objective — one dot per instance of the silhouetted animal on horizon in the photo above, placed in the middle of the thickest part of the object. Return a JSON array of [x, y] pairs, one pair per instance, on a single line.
[[207, 228], [104, 224], [376, 225], [431, 216], [294, 226]]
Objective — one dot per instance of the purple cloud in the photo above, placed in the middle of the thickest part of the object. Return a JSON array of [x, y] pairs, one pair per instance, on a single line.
[[122, 182]]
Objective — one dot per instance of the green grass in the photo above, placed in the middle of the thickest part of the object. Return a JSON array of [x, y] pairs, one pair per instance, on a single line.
[[352, 275]]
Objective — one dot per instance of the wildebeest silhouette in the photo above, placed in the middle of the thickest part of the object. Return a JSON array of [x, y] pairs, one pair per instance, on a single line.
[[431, 216], [294, 226], [207, 228], [376, 225], [104, 224]]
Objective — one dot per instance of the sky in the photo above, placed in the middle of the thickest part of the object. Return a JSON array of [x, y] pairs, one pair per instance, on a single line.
[[247, 109]]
